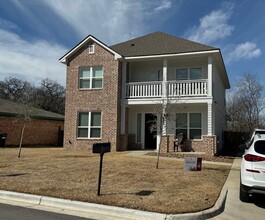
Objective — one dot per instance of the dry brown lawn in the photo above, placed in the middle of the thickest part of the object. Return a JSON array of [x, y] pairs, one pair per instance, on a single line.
[[127, 181]]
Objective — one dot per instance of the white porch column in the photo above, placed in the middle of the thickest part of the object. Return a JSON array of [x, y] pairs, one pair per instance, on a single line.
[[164, 97], [210, 118], [164, 83], [123, 79], [210, 76]]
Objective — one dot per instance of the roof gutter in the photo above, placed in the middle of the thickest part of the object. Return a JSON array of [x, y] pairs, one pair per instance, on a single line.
[[172, 55]]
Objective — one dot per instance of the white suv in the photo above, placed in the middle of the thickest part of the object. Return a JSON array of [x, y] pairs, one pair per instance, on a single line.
[[252, 173]]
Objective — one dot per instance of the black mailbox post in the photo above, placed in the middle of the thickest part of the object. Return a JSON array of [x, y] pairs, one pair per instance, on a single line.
[[101, 148]]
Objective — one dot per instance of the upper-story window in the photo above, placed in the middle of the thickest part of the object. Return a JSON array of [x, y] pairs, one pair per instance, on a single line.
[[154, 75], [189, 73], [91, 77], [91, 48]]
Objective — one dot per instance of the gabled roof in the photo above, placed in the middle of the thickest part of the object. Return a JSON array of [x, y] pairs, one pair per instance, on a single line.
[[8, 108], [64, 58], [158, 43]]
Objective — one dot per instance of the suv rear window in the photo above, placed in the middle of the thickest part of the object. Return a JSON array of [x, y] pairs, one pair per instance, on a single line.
[[260, 147]]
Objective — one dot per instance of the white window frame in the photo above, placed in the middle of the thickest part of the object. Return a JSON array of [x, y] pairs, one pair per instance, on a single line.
[[189, 70], [90, 77], [89, 127], [188, 128], [91, 48]]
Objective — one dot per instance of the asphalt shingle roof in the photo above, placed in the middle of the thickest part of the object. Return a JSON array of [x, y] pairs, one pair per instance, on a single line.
[[156, 44], [12, 108]]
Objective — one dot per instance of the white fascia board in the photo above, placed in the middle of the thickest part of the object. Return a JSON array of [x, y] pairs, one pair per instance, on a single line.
[[78, 46], [172, 55]]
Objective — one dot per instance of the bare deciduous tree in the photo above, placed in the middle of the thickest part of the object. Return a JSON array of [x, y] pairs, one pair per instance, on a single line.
[[25, 113], [16, 90], [50, 96], [246, 104]]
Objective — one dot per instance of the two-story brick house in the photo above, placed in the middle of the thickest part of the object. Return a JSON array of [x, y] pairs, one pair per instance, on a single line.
[[113, 92]]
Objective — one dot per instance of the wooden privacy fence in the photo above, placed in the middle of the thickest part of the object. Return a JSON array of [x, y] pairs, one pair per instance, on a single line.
[[232, 140]]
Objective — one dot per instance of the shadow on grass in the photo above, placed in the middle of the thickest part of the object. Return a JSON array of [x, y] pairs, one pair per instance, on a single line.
[[13, 174], [140, 193]]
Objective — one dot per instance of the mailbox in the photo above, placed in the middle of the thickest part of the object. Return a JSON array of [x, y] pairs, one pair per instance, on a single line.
[[101, 148]]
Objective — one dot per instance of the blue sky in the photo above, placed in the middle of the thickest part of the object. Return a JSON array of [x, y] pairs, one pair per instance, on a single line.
[[34, 34]]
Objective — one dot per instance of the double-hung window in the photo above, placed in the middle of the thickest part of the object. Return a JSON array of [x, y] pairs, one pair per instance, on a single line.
[[189, 73], [91, 77], [89, 125], [189, 124]]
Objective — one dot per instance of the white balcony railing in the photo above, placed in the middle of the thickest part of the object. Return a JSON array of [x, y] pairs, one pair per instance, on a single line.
[[174, 88], [187, 88], [143, 89]]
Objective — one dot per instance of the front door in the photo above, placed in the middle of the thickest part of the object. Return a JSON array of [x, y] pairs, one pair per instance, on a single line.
[[150, 131]]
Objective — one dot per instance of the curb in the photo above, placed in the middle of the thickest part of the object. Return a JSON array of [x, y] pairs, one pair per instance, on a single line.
[[112, 210], [208, 213], [81, 206]]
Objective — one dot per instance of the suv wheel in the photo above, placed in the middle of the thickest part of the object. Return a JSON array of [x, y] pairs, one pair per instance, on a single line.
[[244, 197]]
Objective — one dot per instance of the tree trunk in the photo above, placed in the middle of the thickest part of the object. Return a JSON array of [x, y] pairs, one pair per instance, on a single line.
[[21, 139]]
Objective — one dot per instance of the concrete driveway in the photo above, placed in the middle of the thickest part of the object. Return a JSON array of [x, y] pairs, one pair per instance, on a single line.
[[234, 208]]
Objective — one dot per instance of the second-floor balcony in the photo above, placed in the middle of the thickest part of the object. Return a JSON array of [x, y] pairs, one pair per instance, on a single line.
[[182, 88]]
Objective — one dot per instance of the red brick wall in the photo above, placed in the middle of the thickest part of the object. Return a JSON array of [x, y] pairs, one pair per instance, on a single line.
[[37, 132], [206, 145], [106, 100]]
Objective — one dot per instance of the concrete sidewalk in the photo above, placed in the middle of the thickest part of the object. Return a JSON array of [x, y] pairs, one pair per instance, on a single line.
[[234, 208], [98, 211]]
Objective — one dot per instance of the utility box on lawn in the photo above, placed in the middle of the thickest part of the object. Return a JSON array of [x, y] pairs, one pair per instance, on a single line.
[[101, 148], [193, 164]]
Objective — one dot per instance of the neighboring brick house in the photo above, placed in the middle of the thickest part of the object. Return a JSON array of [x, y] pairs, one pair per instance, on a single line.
[[45, 128], [112, 93]]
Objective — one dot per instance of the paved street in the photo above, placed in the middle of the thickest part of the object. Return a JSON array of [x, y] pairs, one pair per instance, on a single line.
[[234, 208], [10, 212], [14, 210]]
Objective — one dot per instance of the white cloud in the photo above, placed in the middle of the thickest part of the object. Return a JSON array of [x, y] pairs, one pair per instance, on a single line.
[[110, 21], [7, 24], [30, 60], [165, 4], [245, 51], [213, 26]]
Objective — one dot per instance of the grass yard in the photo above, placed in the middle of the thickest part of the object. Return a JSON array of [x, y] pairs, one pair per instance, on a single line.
[[131, 182]]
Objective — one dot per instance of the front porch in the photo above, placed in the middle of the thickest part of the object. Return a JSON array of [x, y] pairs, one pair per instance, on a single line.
[[194, 120]]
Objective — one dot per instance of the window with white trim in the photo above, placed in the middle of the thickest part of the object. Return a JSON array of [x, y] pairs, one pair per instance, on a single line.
[[91, 48], [189, 124], [189, 73], [91, 77], [89, 125]]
